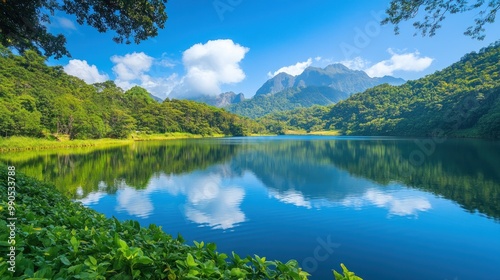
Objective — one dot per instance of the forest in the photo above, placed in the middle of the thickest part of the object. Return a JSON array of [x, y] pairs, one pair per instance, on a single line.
[[461, 100], [42, 102]]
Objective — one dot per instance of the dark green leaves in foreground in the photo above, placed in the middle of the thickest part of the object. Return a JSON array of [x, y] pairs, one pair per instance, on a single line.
[[59, 239]]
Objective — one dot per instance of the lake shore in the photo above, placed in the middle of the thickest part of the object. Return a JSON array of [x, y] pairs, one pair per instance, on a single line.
[[16, 143]]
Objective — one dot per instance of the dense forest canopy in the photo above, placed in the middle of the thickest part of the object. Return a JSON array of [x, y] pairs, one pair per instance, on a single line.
[[37, 101]]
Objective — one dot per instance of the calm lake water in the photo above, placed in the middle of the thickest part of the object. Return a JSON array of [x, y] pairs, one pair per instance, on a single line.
[[388, 208]]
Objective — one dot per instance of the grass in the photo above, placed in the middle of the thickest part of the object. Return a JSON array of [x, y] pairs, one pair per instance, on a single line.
[[326, 132], [17, 143], [322, 132]]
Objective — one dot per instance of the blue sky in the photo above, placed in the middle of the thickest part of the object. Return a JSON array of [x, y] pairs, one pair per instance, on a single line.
[[211, 46]]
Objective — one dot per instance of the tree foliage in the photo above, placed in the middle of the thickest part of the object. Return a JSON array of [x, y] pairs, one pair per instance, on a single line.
[[436, 11], [37, 100], [23, 23]]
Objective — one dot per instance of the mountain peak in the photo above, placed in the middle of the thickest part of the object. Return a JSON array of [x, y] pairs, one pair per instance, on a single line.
[[337, 68]]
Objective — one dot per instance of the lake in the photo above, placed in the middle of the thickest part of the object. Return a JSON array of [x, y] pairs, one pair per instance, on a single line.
[[388, 208]]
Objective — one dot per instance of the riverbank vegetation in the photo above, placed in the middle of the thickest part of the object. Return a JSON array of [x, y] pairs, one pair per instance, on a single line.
[[17, 143]]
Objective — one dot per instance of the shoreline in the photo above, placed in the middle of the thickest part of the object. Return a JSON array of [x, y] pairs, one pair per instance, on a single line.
[[17, 144]]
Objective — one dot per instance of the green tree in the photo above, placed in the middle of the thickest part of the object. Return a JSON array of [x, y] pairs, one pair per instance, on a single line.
[[23, 23], [436, 11]]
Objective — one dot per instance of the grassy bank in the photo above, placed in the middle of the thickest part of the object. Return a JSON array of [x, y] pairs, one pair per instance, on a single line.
[[322, 132], [17, 143], [56, 238]]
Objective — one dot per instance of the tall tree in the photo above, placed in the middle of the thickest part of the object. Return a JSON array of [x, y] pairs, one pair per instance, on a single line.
[[23, 23], [435, 11]]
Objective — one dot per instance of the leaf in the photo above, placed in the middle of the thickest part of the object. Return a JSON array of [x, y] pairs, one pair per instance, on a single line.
[[143, 260], [75, 243], [65, 260], [93, 260], [190, 260]]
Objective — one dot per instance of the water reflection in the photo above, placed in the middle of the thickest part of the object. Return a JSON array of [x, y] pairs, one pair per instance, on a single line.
[[259, 195], [399, 203], [306, 172], [210, 200]]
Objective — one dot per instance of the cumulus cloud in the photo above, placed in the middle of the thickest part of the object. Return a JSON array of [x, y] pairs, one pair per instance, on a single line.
[[399, 62], [131, 66], [81, 69], [134, 202], [399, 204], [293, 70], [210, 65], [132, 69], [209, 201]]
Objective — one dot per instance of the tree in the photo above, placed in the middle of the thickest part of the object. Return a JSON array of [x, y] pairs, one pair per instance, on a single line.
[[23, 23], [437, 10]]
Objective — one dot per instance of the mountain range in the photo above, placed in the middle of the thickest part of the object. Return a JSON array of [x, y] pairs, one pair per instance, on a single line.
[[336, 76], [222, 100], [314, 86]]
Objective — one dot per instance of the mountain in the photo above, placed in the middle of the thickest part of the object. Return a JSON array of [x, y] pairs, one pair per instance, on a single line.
[[462, 100], [336, 76], [287, 99], [222, 100], [156, 98], [278, 83], [315, 86]]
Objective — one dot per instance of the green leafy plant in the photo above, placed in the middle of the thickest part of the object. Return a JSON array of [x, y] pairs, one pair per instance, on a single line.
[[347, 275]]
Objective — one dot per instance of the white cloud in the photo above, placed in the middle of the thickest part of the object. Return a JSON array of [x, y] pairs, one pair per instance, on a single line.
[[356, 63], [81, 69], [65, 23], [134, 202], [131, 66], [92, 198], [132, 69], [210, 65], [291, 197], [398, 203], [209, 200], [293, 70], [399, 62]]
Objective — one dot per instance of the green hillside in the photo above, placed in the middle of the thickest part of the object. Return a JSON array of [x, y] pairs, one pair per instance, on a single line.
[[462, 100], [287, 99], [37, 101]]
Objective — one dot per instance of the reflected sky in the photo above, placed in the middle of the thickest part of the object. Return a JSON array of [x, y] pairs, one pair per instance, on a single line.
[[213, 198]]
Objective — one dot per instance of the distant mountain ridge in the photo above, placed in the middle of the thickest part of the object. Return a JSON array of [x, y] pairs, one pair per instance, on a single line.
[[222, 100], [287, 99], [315, 86], [336, 76]]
